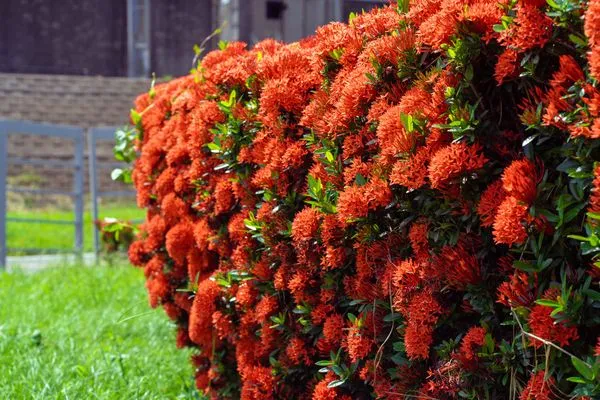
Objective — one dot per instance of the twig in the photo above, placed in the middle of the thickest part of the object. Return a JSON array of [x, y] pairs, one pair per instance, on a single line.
[[379, 353], [545, 341], [420, 396]]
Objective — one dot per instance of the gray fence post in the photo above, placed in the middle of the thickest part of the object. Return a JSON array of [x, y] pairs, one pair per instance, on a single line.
[[93, 188], [3, 173], [78, 192]]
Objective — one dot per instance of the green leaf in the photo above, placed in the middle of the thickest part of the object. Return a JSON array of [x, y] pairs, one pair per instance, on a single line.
[[360, 180], [399, 346], [152, 91], [324, 363], [356, 302], [197, 49], [529, 140], [136, 118], [116, 174], [578, 237], [524, 266], [547, 303], [213, 147], [593, 215], [338, 370], [392, 317], [329, 156], [499, 28], [469, 73], [407, 121], [335, 383], [398, 359], [582, 368], [336, 54], [403, 5]]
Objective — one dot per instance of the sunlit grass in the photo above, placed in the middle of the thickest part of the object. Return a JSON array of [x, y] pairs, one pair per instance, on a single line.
[[86, 333], [50, 236]]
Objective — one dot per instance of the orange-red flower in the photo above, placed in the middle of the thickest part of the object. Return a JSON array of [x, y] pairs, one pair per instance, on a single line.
[[510, 222], [471, 345], [200, 325], [489, 202], [517, 292], [306, 224], [179, 241], [520, 180], [224, 199], [352, 203], [393, 137], [419, 241], [459, 266], [454, 161], [412, 172], [539, 387], [423, 313], [359, 343], [592, 29], [439, 28], [544, 326], [507, 66], [322, 390], [594, 205], [530, 29], [333, 329], [298, 352]]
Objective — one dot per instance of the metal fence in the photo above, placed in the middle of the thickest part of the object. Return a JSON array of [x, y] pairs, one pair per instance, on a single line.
[[75, 165]]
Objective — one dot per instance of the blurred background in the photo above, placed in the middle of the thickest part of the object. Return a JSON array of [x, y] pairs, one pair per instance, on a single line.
[[68, 67]]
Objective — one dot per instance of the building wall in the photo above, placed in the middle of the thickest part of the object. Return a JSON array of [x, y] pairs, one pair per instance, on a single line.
[[79, 37], [300, 19], [357, 6], [89, 37], [176, 25]]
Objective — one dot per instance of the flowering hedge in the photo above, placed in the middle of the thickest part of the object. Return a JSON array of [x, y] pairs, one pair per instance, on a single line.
[[404, 206]]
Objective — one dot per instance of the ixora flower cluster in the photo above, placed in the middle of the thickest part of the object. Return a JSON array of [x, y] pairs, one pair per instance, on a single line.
[[404, 206]]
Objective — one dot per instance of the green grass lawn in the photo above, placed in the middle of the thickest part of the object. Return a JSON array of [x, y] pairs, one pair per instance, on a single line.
[[46, 236], [87, 333]]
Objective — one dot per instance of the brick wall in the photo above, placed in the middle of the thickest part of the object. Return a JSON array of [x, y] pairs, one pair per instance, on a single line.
[[71, 100]]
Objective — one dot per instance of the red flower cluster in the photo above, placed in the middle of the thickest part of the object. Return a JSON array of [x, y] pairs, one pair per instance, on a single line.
[[373, 211], [539, 387]]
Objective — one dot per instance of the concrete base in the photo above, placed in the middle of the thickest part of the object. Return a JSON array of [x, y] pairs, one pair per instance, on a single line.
[[38, 262]]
